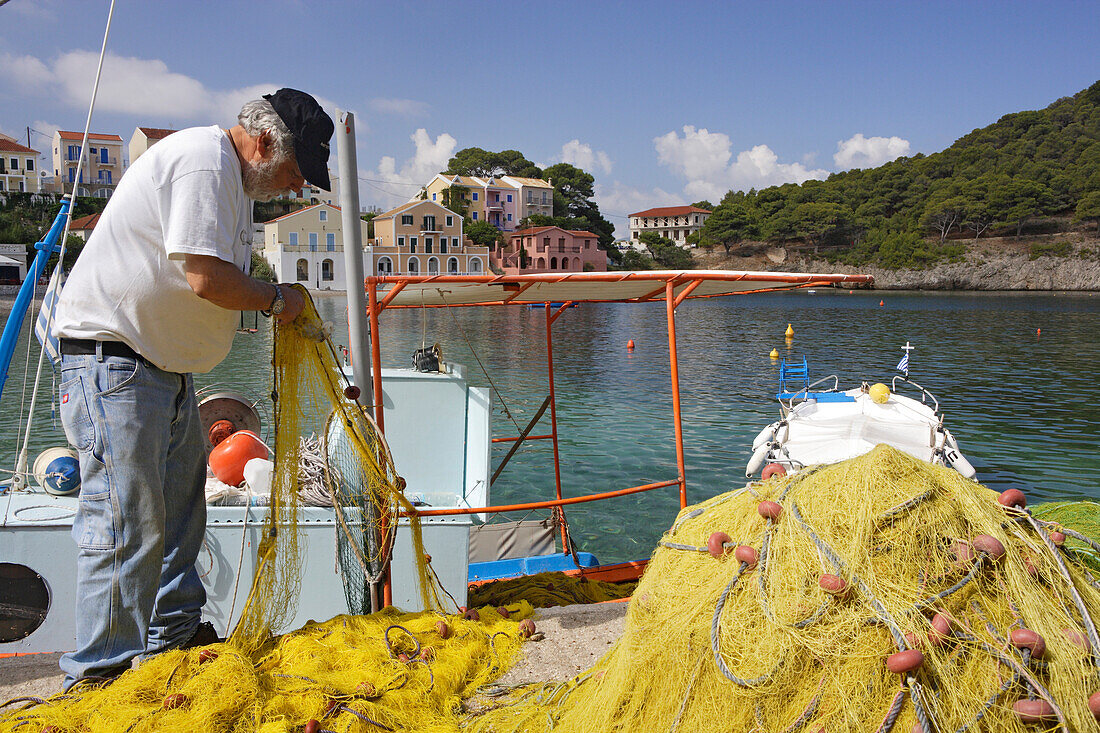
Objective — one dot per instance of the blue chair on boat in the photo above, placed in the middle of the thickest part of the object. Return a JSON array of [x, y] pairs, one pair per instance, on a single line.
[[794, 383], [794, 377]]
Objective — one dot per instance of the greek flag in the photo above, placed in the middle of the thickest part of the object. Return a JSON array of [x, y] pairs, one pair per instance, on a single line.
[[45, 316], [903, 365]]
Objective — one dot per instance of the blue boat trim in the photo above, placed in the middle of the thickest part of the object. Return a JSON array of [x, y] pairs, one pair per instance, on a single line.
[[515, 567], [819, 396]]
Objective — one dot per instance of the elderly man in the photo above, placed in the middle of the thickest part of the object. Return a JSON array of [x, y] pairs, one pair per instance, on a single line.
[[153, 298]]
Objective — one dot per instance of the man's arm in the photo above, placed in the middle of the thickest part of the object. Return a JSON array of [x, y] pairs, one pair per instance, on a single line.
[[224, 285]]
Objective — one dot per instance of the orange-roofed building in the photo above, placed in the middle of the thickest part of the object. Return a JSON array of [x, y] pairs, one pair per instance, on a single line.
[[144, 138], [83, 226], [102, 168], [550, 249], [671, 222], [18, 167]]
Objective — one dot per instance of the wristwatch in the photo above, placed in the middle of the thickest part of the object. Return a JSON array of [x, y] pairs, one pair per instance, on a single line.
[[278, 303]]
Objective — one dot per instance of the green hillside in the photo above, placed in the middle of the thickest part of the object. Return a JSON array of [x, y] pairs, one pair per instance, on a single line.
[[1011, 178]]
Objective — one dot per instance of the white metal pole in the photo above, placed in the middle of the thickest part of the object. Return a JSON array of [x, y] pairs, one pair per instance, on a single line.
[[353, 256]]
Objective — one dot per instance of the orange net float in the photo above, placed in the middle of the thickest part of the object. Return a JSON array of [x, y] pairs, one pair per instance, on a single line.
[[228, 458], [772, 469]]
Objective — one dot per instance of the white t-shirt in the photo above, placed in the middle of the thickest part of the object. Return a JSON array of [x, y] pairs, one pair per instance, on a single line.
[[182, 196]]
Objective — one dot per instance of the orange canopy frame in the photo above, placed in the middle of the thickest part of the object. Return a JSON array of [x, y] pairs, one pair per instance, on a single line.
[[568, 288]]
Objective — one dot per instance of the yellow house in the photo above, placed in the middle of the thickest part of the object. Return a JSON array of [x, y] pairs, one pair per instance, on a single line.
[[473, 193], [422, 237], [18, 166], [102, 168]]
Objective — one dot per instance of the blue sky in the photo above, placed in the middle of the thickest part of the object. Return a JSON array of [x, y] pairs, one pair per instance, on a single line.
[[664, 103]]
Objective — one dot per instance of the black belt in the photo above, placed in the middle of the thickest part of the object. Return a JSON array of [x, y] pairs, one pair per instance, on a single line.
[[80, 347]]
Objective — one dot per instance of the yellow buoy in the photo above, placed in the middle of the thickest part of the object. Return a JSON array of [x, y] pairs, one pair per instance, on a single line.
[[880, 393], [789, 333], [774, 354]]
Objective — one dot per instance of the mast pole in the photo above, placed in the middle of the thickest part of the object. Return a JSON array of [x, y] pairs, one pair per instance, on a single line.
[[358, 335]]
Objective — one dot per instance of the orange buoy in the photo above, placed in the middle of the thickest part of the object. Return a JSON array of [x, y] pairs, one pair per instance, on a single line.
[[228, 458], [503, 612], [1012, 498], [769, 510], [834, 585], [442, 629], [173, 701], [906, 661], [964, 554], [471, 614], [716, 543], [1058, 538], [881, 303], [630, 345], [1038, 332], [1034, 711], [1094, 704], [941, 628], [526, 628], [990, 546], [1075, 637], [747, 555], [772, 469], [1028, 639]]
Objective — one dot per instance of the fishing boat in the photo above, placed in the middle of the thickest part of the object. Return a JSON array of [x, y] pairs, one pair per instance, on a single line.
[[821, 424]]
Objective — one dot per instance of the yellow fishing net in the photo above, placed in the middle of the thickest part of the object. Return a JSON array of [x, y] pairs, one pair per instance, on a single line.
[[318, 422], [385, 671], [389, 671], [543, 590], [881, 593]]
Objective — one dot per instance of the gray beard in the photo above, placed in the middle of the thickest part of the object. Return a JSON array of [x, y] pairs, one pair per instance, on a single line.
[[257, 180]]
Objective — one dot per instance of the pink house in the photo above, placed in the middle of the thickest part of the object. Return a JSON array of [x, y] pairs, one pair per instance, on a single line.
[[550, 249]]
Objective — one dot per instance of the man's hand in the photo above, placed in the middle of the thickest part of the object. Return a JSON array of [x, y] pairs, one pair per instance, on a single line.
[[294, 304]]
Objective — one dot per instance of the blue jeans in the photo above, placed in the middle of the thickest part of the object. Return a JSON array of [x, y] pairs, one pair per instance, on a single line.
[[142, 510]]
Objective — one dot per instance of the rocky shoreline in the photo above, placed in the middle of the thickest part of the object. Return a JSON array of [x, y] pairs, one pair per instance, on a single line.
[[990, 264]]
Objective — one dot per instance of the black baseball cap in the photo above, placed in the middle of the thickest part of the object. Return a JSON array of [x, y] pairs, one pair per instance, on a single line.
[[311, 128]]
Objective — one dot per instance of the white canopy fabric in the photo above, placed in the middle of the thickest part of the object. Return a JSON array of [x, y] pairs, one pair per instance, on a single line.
[[444, 290]]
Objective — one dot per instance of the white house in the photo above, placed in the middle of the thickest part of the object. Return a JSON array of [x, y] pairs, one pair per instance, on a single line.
[[307, 247]]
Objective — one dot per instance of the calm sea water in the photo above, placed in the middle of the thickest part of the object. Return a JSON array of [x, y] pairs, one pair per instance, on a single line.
[[1025, 407]]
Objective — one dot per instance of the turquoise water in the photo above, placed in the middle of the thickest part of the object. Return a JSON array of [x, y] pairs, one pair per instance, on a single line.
[[1024, 407]]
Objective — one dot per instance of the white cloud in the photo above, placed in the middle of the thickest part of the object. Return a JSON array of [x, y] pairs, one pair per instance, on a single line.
[[581, 155], [707, 161], [23, 72], [402, 107], [868, 152], [146, 88], [429, 158]]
